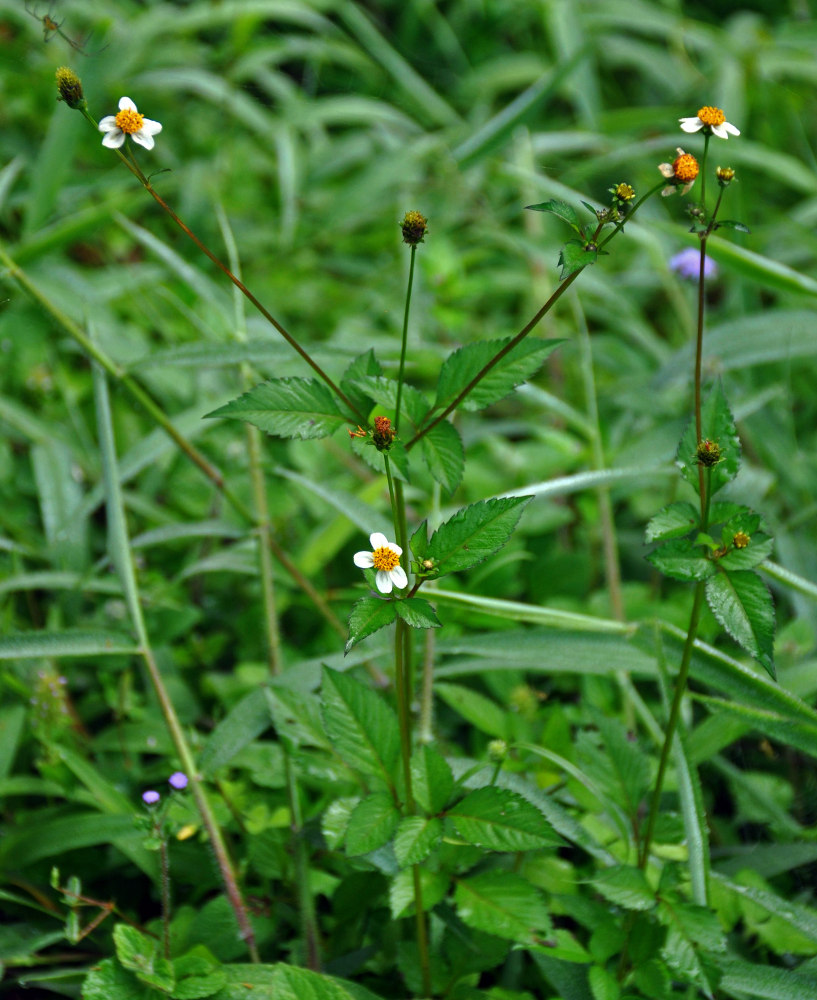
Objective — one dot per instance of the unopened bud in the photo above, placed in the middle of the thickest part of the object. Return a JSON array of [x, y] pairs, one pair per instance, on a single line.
[[708, 453], [725, 176], [497, 751], [69, 86], [414, 227]]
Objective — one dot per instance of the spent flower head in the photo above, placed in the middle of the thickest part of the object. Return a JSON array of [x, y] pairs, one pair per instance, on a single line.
[[414, 227], [385, 559], [681, 173], [384, 434], [711, 120], [69, 86], [128, 122]]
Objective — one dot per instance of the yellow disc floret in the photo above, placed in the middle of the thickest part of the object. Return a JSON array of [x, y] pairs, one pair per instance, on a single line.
[[385, 559], [711, 116], [129, 121], [740, 540], [624, 192], [685, 167]]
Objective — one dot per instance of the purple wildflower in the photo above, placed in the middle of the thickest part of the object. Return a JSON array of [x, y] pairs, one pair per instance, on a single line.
[[687, 264], [178, 780], [150, 797]]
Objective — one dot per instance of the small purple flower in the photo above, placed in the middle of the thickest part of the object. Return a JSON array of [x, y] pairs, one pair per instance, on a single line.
[[687, 264], [178, 780], [150, 797]]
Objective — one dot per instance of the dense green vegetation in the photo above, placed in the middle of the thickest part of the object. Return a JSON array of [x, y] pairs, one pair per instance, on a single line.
[[177, 588]]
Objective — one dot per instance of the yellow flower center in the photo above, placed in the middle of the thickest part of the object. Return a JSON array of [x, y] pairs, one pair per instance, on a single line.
[[711, 116], [385, 559], [740, 540], [625, 192], [129, 121], [685, 168]]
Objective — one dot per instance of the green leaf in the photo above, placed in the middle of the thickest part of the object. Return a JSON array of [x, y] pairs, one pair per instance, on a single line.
[[383, 391], [431, 778], [717, 425], [288, 407], [603, 984], [67, 642], [398, 457], [575, 255], [444, 454], [417, 612], [504, 904], [401, 891], [362, 366], [198, 974], [732, 224], [461, 367], [371, 824], [140, 954], [561, 210], [475, 708], [362, 727], [625, 886], [109, 981], [766, 982], [743, 605], [673, 521], [501, 820], [470, 536], [292, 983], [416, 838], [245, 721], [756, 552], [682, 560], [368, 616]]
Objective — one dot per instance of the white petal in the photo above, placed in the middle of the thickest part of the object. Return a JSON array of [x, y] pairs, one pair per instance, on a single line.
[[113, 140], [126, 102], [398, 577], [383, 581], [108, 123], [719, 131], [731, 128], [378, 540], [667, 191], [691, 124], [395, 548], [364, 560], [666, 170], [143, 138], [150, 126]]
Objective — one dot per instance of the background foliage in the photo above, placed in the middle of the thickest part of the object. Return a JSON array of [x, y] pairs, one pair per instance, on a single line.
[[306, 129]]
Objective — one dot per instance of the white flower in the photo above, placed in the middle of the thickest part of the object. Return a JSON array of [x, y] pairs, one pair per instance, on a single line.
[[385, 558], [128, 122], [712, 119]]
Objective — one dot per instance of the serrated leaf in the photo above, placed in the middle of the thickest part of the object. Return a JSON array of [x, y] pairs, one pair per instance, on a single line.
[[574, 256], [401, 891], [682, 560], [743, 605], [501, 820], [371, 824], [198, 974], [431, 778], [504, 904], [603, 984], [362, 366], [416, 838], [383, 391], [444, 454], [625, 886], [140, 954], [368, 616], [673, 521], [461, 367], [291, 983], [471, 535], [765, 982], [758, 550], [717, 425], [560, 209], [109, 981], [288, 407], [417, 612], [362, 728]]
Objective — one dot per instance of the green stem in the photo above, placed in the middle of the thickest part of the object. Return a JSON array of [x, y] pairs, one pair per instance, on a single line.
[[165, 876], [306, 901], [404, 341], [526, 329], [672, 723]]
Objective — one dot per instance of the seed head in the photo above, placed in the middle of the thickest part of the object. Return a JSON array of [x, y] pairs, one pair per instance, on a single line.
[[414, 227], [708, 453], [69, 86]]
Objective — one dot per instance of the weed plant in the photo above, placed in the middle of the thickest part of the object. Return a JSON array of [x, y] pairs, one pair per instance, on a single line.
[[408, 480]]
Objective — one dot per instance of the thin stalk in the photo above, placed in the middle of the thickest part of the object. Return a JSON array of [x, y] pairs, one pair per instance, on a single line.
[[672, 724], [526, 329], [165, 876], [130, 162], [146, 401], [306, 901], [404, 340]]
